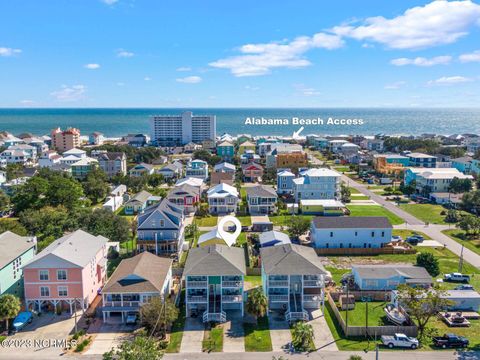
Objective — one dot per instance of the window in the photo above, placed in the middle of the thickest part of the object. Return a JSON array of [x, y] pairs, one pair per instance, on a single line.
[[331, 233], [43, 275], [356, 233], [373, 233], [162, 223], [62, 291], [44, 291], [383, 233], [371, 283], [61, 274]]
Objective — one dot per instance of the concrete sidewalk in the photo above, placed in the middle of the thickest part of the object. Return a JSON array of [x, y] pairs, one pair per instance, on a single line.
[[234, 335], [323, 339]]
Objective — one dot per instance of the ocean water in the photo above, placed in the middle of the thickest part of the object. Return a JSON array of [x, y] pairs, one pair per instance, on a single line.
[[117, 122]]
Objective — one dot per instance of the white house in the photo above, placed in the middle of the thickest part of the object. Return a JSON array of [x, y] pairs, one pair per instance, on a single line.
[[351, 232], [222, 199], [317, 184]]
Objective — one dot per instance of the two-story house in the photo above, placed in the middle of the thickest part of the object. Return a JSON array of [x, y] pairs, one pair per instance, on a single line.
[[81, 168], [285, 181], [261, 199], [139, 202], [317, 184], [113, 163], [135, 282], [15, 251], [293, 279], [197, 169], [141, 170], [214, 277], [222, 199], [186, 197], [252, 172], [161, 228], [351, 232], [171, 171], [66, 274], [422, 160], [224, 167], [226, 150]]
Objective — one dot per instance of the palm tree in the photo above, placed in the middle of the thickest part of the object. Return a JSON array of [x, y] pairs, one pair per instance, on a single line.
[[9, 307], [257, 303], [302, 335]]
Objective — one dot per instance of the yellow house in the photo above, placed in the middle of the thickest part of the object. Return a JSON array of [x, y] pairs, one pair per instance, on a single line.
[[247, 145]]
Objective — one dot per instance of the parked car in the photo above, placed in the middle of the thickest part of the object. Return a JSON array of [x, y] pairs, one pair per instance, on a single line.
[[456, 277], [415, 239], [464, 287], [399, 340], [131, 319], [22, 319], [450, 341]]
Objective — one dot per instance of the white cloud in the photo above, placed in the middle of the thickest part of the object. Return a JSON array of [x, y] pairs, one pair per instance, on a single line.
[[27, 102], [437, 23], [421, 61], [304, 90], [184, 68], [147, 78], [260, 59], [394, 86], [124, 53], [70, 93], [190, 80], [6, 52], [449, 80], [91, 66], [120, 83], [109, 2], [471, 57]]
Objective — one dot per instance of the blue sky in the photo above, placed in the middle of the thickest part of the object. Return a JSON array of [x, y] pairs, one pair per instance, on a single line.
[[139, 53]]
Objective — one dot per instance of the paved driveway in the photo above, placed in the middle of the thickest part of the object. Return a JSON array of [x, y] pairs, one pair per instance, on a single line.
[[192, 336], [48, 328], [279, 332], [323, 338], [107, 336], [234, 335]]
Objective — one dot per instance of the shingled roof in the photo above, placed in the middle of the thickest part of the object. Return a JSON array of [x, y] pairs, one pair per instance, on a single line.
[[291, 259], [215, 260]]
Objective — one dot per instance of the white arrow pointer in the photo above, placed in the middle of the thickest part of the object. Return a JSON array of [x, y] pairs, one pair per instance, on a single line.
[[296, 134]]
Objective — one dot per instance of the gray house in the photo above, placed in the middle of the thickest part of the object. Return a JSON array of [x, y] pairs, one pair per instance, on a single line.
[[214, 282], [293, 279], [388, 277], [161, 228], [261, 199]]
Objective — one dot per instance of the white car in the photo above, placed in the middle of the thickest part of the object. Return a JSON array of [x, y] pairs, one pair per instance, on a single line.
[[400, 340]]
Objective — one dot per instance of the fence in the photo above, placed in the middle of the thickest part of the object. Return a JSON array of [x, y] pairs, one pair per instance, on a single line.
[[254, 271], [364, 251], [362, 331], [359, 295]]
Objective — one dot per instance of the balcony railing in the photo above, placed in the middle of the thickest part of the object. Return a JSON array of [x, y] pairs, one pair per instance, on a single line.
[[312, 298], [312, 283], [228, 283], [122, 303], [196, 284], [197, 298], [295, 316], [278, 283], [232, 298], [217, 317], [278, 298]]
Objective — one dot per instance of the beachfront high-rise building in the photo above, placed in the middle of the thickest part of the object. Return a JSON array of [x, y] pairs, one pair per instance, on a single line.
[[173, 130], [65, 140]]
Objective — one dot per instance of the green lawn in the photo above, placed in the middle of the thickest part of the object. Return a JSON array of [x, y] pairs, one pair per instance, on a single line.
[[176, 334], [284, 220], [407, 233], [337, 273], [373, 210], [357, 316], [426, 212], [360, 197], [341, 168], [354, 191], [459, 236], [213, 339], [254, 280], [257, 337], [206, 221], [245, 220], [242, 239]]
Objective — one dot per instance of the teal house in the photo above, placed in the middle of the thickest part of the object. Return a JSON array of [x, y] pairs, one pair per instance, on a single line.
[[15, 251], [226, 150]]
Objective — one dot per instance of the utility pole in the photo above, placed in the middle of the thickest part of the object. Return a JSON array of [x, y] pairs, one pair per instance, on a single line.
[[460, 262], [75, 313], [346, 315]]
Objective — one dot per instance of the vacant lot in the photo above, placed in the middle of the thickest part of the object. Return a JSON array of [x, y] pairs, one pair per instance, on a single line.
[[373, 210]]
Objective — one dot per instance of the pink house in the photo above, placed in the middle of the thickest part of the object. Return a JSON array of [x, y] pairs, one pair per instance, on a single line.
[[68, 273]]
